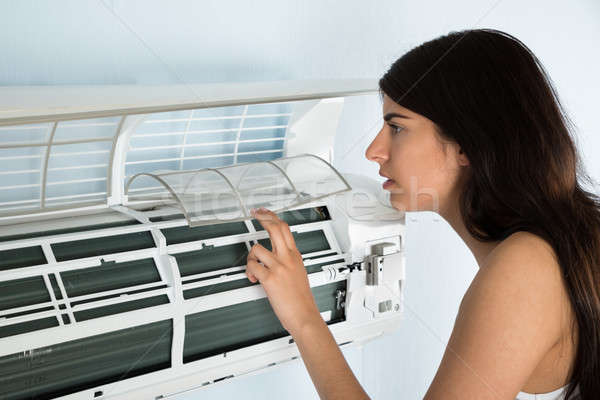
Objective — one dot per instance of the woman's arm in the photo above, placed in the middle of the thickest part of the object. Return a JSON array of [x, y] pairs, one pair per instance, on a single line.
[[326, 364], [283, 276]]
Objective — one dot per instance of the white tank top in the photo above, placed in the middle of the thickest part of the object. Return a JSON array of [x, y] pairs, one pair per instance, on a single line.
[[554, 395]]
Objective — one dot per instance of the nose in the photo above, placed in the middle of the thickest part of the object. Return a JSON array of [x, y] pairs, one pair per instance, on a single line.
[[379, 149]]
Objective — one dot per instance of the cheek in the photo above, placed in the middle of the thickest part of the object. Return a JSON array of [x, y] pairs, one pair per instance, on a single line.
[[412, 165], [421, 176]]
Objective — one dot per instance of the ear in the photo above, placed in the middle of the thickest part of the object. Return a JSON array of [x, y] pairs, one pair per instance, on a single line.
[[462, 158]]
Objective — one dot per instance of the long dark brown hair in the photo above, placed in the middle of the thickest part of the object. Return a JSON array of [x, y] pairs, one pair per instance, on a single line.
[[485, 90]]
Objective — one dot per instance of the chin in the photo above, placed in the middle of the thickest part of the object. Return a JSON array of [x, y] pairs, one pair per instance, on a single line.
[[401, 202], [398, 202]]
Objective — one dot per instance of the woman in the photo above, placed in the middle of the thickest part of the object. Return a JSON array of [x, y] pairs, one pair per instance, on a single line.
[[474, 119]]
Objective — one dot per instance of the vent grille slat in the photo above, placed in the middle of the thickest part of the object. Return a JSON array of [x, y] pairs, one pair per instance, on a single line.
[[208, 138], [42, 164]]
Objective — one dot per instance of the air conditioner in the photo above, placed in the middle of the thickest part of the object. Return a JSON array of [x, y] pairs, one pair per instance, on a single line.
[[124, 229]]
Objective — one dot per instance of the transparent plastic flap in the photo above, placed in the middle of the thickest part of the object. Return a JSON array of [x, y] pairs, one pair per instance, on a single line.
[[216, 195]]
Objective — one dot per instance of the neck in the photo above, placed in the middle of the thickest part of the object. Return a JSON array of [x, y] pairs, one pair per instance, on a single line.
[[480, 249]]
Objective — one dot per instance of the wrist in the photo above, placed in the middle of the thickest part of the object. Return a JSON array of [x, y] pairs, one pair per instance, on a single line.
[[308, 327]]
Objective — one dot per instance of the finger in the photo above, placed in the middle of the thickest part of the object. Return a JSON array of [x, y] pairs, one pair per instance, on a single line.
[[256, 270], [258, 252], [283, 227], [271, 222], [251, 277], [288, 236]]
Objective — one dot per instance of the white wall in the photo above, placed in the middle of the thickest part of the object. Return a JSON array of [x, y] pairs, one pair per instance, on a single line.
[[119, 41]]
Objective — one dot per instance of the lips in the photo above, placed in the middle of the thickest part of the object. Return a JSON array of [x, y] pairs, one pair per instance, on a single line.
[[388, 183]]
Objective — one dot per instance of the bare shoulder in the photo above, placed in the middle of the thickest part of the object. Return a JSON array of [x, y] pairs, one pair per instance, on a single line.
[[509, 320], [522, 276], [526, 244], [524, 265]]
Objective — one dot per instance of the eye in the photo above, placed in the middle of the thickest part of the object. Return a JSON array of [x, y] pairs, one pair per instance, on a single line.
[[396, 129]]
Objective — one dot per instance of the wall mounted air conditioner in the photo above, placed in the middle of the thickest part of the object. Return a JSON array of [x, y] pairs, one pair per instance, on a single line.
[[124, 230]]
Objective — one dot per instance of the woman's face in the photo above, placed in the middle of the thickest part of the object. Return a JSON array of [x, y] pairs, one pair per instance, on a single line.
[[410, 153]]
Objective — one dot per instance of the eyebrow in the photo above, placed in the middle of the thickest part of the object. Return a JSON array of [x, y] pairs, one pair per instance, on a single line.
[[389, 116]]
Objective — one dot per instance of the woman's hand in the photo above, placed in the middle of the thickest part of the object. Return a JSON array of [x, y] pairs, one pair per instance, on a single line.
[[282, 274]]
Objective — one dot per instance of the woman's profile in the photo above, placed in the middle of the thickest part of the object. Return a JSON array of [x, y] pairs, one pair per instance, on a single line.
[[473, 118]]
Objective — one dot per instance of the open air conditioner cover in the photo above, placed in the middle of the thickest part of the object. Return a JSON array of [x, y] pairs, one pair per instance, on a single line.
[[227, 194]]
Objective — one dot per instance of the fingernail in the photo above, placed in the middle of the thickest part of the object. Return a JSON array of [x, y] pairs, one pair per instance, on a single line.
[[263, 209]]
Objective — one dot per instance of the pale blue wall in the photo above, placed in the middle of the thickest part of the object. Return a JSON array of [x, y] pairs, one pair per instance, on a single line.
[[85, 42]]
